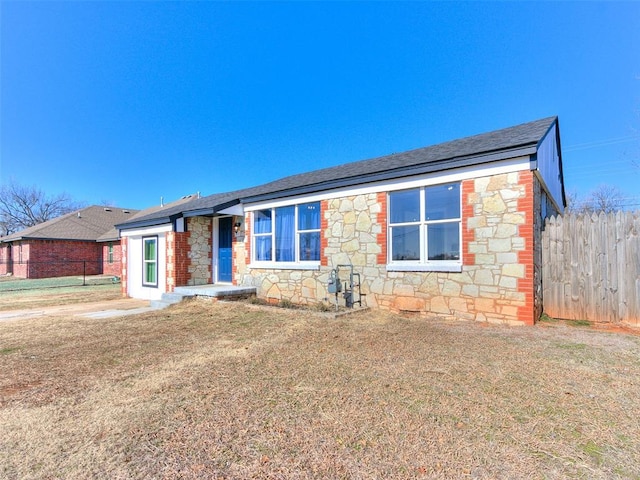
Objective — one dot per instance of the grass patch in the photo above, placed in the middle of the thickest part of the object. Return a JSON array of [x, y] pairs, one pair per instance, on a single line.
[[11, 284], [225, 390], [44, 297], [8, 350], [579, 323], [544, 318], [593, 450]]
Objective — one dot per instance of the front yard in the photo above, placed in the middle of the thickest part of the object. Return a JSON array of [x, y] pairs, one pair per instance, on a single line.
[[21, 293], [236, 391]]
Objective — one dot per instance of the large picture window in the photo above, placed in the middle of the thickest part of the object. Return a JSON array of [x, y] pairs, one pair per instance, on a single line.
[[424, 225], [150, 261], [288, 234]]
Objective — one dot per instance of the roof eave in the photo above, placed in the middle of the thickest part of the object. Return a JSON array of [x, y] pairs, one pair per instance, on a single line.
[[209, 211], [435, 167], [200, 212], [24, 239], [108, 239], [9, 240], [151, 222]]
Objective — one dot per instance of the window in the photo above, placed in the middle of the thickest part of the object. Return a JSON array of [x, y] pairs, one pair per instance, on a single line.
[[287, 234], [424, 225], [150, 261], [110, 253]]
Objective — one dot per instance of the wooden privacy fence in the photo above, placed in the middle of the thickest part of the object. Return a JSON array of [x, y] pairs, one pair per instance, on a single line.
[[591, 267]]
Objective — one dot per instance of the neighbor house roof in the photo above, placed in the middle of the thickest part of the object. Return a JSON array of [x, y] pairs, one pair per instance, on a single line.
[[502, 144], [95, 223]]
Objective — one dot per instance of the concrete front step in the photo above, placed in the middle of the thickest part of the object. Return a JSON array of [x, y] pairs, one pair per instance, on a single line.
[[227, 292], [218, 291], [169, 299]]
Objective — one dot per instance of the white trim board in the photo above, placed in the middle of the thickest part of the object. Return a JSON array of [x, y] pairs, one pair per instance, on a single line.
[[147, 230], [506, 166]]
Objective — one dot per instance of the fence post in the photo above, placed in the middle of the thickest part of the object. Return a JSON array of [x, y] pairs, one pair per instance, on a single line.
[[84, 273]]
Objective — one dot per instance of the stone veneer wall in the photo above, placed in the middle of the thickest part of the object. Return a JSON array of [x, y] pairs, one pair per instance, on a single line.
[[500, 279], [188, 254], [497, 278], [200, 250]]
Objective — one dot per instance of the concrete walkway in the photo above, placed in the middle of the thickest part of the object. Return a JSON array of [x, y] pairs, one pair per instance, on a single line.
[[104, 309]]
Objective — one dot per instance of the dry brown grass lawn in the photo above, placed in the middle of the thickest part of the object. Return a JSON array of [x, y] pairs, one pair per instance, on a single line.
[[45, 297], [234, 391]]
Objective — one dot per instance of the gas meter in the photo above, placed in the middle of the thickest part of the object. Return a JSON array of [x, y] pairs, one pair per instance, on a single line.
[[334, 285]]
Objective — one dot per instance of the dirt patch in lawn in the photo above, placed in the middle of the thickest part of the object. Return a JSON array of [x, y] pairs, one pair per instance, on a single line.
[[224, 390]]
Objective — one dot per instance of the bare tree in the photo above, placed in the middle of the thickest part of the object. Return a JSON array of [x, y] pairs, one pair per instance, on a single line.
[[22, 207], [605, 198], [574, 203]]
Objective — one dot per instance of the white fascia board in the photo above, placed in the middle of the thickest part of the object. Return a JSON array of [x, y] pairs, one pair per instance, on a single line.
[[505, 166], [147, 230]]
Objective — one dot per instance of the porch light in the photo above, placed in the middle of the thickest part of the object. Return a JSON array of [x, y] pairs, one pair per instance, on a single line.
[[236, 226]]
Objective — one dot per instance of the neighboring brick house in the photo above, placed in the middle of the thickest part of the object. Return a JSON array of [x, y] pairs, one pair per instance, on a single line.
[[452, 229], [84, 241]]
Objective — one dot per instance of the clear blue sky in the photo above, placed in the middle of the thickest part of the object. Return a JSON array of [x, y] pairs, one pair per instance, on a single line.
[[126, 102]]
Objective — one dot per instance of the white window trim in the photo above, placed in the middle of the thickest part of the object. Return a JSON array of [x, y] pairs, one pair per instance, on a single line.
[[285, 265], [423, 265], [145, 262], [273, 264]]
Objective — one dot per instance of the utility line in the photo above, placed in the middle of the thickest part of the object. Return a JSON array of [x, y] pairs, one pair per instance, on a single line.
[[601, 143]]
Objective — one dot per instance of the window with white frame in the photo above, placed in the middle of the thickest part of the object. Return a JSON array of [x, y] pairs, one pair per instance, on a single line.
[[287, 234], [150, 261], [425, 225]]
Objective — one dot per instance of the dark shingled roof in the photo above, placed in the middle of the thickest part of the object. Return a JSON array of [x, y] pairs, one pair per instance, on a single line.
[[93, 223], [475, 150]]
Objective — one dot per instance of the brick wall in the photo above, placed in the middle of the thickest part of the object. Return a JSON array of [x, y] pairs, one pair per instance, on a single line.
[[5, 259], [177, 260], [56, 258], [113, 267], [124, 278], [188, 254]]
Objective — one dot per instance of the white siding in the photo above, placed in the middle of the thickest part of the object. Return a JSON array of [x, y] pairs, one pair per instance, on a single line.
[[135, 288]]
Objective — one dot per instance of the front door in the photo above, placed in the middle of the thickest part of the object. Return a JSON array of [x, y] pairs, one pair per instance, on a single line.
[[225, 252]]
